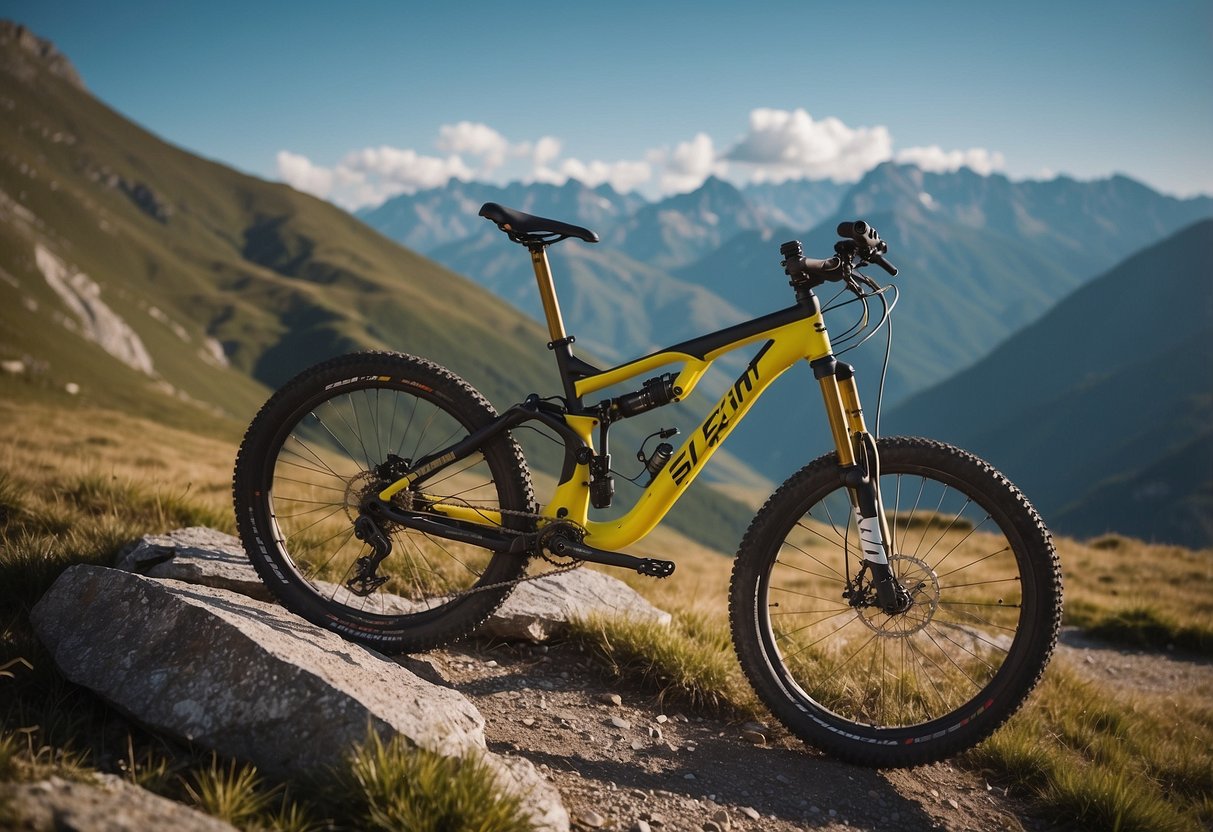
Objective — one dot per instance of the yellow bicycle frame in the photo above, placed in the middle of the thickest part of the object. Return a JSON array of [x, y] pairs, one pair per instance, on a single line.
[[804, 338]]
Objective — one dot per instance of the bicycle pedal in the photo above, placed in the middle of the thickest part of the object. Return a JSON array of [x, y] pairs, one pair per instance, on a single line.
[[656, 568]]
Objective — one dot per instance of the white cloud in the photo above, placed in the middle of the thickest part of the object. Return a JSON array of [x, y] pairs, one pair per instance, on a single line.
[[778, 145], [475, 139], [623, 176], [299, 172], [546, 150], [937, 160], [686, 166], [790, 144]]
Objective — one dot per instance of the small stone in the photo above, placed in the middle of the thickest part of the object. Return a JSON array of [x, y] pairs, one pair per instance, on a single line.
[[815, 810], [662, 719], [833, 813], [711, 826], [528, 721], [591, 819], [689, 776], [721, 816], [754, 737], [935, 793], [641, 826], [620, 722], [637, 745], [491, 663], [655, 734], [750, 812], [783, 779], [610, 699], [953, 803]]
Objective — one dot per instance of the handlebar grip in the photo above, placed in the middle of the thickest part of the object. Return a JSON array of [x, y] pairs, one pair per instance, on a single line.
[[879, 260]]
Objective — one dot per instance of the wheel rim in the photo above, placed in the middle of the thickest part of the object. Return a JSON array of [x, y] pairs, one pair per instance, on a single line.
[[326, 462], [938, 659]]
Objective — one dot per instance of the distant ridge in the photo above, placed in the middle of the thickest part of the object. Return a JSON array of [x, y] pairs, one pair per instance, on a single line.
[[1103, 409]]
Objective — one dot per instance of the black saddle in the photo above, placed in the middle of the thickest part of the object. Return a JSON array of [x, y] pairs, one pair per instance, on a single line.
[[531, 230]]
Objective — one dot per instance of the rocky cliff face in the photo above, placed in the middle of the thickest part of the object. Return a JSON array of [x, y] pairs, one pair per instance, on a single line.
[[36, 53]]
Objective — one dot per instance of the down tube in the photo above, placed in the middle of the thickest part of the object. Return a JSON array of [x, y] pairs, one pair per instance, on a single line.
[[692, 457]]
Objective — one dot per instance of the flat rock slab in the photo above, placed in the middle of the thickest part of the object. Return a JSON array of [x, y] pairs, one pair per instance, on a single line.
[[108, 805], [535, 611], [254, 682], [196, 555]]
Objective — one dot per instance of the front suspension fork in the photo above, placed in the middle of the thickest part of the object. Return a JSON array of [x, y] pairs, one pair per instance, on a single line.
[[859, 470]]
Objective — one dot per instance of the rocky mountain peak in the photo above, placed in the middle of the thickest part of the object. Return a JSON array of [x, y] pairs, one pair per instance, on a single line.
[[25, 54]]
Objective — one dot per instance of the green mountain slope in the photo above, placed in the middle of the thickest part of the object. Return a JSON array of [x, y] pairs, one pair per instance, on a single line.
[[1092, 399], [277, 278], [155, 281]]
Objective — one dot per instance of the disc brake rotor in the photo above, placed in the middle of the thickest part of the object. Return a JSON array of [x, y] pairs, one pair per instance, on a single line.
[[922, 584]]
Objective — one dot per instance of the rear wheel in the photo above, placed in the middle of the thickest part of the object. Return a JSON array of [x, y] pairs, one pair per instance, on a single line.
[[917, 686], [318, 447]]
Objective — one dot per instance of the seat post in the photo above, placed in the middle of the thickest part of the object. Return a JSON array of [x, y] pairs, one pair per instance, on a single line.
[[547, 293]]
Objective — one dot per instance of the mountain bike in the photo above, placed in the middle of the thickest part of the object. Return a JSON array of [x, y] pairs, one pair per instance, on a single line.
[[892, 603]]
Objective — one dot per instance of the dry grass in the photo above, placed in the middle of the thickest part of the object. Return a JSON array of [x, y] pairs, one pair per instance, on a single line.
[[76, 485], [1140, 594]]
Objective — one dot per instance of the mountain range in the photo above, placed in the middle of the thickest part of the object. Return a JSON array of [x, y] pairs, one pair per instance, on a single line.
[[980, 256]]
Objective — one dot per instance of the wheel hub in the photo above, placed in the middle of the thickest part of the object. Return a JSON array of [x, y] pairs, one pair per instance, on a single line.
[[922, 585]]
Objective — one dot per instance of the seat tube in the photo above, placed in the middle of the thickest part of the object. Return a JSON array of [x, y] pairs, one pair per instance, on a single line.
[[547, 293]]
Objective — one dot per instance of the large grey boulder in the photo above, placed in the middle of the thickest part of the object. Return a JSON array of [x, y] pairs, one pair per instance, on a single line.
[[252, 681], [536, 610], [109, 804]]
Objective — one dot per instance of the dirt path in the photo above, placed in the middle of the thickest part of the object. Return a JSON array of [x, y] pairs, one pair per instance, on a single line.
[[633, 766], [1143, 671]]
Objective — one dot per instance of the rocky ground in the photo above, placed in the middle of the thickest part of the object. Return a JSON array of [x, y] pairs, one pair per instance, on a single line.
[[623, 762]]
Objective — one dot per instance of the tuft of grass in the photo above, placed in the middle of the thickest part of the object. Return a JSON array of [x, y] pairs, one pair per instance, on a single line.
[[392, 785], [1142, 625], [688, 663], [9, 749], [1106, 761], [234, 793]]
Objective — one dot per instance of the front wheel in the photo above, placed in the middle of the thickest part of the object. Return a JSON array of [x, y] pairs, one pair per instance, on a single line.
[[916, 686]]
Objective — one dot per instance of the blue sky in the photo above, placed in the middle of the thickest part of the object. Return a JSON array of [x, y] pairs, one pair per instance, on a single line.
[[358, 100]]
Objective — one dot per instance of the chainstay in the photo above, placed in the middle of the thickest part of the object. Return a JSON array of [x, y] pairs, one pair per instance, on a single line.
[[560, 570]]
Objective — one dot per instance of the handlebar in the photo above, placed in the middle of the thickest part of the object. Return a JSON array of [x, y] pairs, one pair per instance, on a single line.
[[860, 246]]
